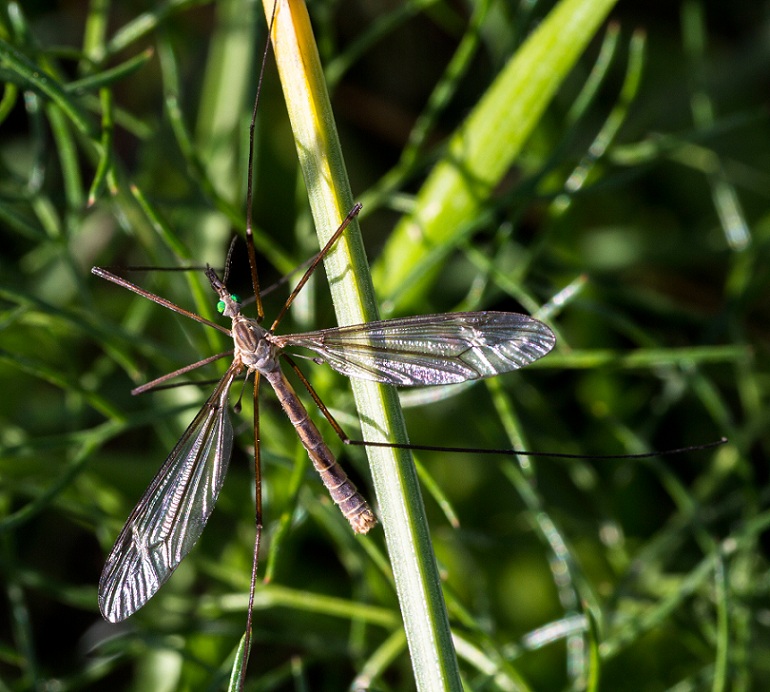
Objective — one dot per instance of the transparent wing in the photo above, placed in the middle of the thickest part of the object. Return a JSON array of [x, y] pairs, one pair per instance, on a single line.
[[170, 517], [430, 349]]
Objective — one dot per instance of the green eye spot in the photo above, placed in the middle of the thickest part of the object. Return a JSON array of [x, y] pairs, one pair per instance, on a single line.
[[235, 298], [221, 306]]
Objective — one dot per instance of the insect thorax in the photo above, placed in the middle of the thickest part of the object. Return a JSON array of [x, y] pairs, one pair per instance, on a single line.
[[253, 346]]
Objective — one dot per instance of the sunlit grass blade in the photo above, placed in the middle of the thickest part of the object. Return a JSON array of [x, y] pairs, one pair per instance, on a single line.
[[394, 476], [484, 148]]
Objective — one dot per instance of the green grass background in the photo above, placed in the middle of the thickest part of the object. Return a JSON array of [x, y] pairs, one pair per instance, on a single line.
[[634, 220]]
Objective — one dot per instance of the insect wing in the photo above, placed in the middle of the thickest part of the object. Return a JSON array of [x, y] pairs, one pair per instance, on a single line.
[[430, 349], [170, 517]]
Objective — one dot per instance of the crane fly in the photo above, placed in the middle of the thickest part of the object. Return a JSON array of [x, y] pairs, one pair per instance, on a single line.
[[412, 351]]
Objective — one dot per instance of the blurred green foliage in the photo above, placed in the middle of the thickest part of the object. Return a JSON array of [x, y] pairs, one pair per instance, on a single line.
[[634, 222]]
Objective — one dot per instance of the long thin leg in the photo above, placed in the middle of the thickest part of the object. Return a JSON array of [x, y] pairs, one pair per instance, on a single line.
[[258, 531], [124, 283], [320, 404], [459, 450], [250, 177], [316, 261], [260, 316], [257, 456], [148, 386]]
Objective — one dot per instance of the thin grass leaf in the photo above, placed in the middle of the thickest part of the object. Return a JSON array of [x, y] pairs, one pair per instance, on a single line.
[[398, 495], [33, 77], [110, 76]]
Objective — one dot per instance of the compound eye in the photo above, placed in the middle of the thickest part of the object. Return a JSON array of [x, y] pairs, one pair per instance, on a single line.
[[222, 305]]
